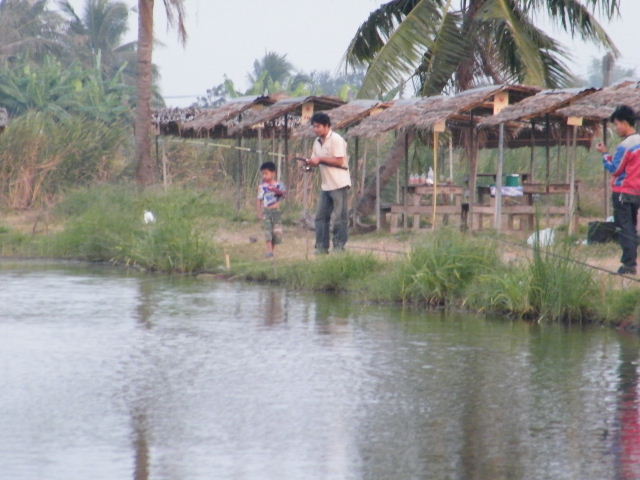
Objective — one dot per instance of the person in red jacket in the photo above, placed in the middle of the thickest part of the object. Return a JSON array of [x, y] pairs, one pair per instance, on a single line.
[[624, 166]]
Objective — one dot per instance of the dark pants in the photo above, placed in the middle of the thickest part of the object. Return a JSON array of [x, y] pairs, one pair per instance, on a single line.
[[625, 216], [332, 209]]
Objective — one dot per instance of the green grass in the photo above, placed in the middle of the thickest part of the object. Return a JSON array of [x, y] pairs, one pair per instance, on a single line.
[[343, 272], [440, 267], [106, 225]]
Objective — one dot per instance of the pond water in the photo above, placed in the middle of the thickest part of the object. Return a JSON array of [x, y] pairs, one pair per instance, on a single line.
[[109, 375]]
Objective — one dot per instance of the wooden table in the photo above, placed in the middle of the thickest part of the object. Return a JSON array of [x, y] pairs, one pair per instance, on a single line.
[[419, 206], [521, 208]]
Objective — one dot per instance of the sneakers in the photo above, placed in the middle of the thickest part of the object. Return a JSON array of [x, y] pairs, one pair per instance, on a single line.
[[624, 270]]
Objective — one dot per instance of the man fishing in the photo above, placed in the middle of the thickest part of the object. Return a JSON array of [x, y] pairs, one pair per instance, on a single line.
[[329, 154], [624, 167]]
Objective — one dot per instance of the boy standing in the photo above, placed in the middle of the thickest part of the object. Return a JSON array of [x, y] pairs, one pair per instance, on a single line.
[[270, 194], [625, 185]]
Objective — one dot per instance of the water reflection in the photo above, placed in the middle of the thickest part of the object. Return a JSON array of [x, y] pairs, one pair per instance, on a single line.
[[627, 435], [153, 378]]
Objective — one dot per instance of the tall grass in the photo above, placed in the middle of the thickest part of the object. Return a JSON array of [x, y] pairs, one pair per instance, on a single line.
[[106, 224], [560, 288], [439, 268]]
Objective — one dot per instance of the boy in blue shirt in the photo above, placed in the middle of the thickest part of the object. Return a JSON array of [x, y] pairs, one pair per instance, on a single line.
[[270, 194]]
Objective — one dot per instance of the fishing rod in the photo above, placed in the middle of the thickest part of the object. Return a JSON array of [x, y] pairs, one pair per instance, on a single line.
[[566, 258], [307, 168]]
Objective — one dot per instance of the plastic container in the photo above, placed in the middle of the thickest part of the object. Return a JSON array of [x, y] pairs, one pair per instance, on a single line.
[[513, 180]]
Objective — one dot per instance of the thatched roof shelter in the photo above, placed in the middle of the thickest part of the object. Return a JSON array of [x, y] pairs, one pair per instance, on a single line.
[[208, 122], [4, 119], [288, 112], [547, 102], [600, 105], [346, 115], [463, 109], [402, 111], [214, 123], [169, 121], [468, 107]]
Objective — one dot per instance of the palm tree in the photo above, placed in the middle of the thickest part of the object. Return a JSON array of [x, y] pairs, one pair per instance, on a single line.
[[443, 45], [28, 28], [146, 172], [99, 30], [271, 69]]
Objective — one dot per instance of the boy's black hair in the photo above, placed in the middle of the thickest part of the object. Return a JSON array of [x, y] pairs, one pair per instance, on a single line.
[[268, 166], [624, 113], [321, 118]]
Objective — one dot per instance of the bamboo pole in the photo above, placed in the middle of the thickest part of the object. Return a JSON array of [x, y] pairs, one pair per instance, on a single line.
[[572, 179], [548, 150], [405, 193], [605, 177], [434, 199], [498, 196], [356, 191], [378, 201]]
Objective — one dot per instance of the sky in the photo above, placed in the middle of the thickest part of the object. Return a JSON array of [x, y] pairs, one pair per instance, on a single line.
[[226, 37]]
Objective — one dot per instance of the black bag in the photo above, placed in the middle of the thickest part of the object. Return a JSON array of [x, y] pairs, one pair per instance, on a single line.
[[601, 232]]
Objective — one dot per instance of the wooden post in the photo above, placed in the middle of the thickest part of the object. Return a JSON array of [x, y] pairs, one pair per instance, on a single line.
[[356, 191], [434, 199], [438, 128], [533, 149], [605, 177], [378, 220], [405, 193], [451, 157], [547, 129], [473, 164], [286, 148], [238, 171], [260, 158], [572, 180], [498, 212]]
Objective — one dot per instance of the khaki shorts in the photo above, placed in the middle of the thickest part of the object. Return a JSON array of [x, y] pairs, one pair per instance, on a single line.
[[272, 226]]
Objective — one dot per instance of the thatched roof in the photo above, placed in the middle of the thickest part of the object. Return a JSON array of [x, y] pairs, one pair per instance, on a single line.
[[544, 103], [600, 105], [402, 111], [346, 115], [207, 122], [229, 114], [477, 102], [272, 118], [423, 113], [4, 118]]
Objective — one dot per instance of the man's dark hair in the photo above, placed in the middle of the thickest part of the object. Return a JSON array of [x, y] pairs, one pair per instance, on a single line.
[[268, 166], [624, 113], [321, 118]]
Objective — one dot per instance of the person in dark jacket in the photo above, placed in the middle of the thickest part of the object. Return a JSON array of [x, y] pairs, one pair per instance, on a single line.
[[624, 166]]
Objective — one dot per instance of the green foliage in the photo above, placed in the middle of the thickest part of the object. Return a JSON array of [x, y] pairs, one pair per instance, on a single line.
[[560, 289], [441, 266], [64, 90], [341, 272], [106, 224], [620, 306], [42, 154], [443, 45], [505, 292]]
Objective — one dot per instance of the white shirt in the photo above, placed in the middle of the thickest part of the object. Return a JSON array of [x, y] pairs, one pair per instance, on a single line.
[[333, 146]]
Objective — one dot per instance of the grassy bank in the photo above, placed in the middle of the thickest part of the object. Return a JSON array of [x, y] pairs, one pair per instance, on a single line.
[[106, 225], [451, 270], [195, 229]]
